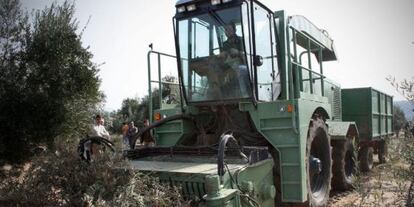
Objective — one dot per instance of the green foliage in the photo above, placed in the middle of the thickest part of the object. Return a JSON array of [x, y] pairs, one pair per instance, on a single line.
[[399, 118], [133, 109], [14, 29], [49, 85], [406, 89], [56, 179]]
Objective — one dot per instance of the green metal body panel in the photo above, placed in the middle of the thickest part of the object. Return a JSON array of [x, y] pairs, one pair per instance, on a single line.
[[258, 179], [198, 178], [370, 109], [341, 130], [288, 132], [333, 93], [168, 134], [224, 197]]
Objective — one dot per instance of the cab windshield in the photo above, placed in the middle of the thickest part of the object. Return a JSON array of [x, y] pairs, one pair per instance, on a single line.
[[213, 57]]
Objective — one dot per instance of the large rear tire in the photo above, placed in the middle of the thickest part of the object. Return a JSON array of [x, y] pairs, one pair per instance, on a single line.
[[366, 159], [344, 164], [318, 163]]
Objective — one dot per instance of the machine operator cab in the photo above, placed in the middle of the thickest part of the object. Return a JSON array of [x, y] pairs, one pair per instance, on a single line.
[[226, 51]]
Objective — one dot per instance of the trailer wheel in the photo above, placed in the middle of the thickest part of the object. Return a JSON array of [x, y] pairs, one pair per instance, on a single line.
[[366, 159], [344, 164], [382, 151], [318, 154]]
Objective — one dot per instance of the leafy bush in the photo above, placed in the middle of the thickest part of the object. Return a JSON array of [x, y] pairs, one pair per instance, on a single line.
[[60, 178], [407, 153], [399, 119]]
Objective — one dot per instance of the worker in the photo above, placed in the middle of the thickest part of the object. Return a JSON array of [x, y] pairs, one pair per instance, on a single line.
[[98, 129], [236, 80], [233, 46], [89, 146], [124, 131], [132, 130], [146, 138]]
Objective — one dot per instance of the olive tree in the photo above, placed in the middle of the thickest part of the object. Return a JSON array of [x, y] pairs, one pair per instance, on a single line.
[[49, 86]]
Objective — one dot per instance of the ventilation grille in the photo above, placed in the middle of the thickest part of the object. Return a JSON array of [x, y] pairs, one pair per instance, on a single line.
[[189, 189], [337, 103]]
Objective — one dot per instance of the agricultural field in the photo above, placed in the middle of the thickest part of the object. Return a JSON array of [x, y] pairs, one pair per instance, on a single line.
[[386, 185], [60, 178]]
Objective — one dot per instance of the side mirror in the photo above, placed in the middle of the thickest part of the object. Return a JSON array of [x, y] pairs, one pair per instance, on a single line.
[[258, 60]]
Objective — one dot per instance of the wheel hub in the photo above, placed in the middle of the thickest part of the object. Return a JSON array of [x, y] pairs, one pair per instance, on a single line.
[[315, 165]]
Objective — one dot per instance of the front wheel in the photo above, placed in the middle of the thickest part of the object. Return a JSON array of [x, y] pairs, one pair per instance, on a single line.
[[318, 154]]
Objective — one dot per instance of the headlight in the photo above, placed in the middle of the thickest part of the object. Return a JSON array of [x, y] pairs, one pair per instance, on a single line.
[[226, 1], [191, 7], [215, 2], [181, 9]]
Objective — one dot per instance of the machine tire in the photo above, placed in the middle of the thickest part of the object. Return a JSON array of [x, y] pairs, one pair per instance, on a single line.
[[319, 147], [366, 159], [276, 177], [382, 151], [344, 165]]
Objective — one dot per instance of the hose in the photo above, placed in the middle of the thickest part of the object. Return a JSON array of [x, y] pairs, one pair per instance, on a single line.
[[134, 139], [224, 138], [85, 144]]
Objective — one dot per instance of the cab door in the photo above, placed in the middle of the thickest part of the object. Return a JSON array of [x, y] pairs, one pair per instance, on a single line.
[[265, 65]]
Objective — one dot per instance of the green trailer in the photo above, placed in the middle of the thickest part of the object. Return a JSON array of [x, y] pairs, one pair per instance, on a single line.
[[249, 118], [372, 112]]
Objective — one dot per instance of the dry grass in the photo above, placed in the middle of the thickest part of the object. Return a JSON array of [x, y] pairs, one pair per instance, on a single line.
[[61, 179], [387, 184]]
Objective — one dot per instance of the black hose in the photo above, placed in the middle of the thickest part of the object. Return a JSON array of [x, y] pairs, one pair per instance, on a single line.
[[98, 140], [224, 138], [133, 140], [92, 140]]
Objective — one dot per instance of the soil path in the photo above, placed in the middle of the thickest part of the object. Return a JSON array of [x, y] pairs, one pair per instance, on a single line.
[[383, 186]]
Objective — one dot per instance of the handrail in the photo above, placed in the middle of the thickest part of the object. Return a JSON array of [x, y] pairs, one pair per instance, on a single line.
[[305, 68], [165, 82], [159, 54]]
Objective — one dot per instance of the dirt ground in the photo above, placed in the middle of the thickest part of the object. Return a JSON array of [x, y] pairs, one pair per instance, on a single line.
[[376, 189], [386, 185]]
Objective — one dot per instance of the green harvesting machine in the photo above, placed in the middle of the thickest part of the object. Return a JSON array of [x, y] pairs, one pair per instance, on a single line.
[[249, 118]]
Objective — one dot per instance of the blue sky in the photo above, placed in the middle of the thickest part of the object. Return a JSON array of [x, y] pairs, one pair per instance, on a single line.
[[373, 39]]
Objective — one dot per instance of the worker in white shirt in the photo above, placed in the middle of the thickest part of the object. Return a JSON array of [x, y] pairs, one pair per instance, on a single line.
[[89, 148], [98, 128], [97, 140]]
